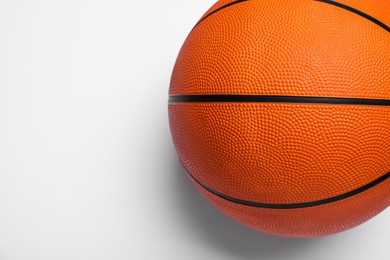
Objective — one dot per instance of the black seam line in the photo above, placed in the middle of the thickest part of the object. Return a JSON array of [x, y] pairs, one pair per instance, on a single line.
[[277, 99], [219, 9], [353, 10], [293, 205]]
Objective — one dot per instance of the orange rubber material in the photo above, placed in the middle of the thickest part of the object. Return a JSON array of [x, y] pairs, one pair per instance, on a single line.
[[282, 153], [287, 153], [377, 9], [308, 222], [286, 47], [216, 6]]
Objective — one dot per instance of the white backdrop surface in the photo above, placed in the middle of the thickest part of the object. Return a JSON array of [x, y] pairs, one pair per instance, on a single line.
[[87, 165]]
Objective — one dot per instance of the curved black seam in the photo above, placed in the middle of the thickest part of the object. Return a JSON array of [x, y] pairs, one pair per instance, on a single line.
[[219, 9], [277, 99], [360, 13], [293, 205]]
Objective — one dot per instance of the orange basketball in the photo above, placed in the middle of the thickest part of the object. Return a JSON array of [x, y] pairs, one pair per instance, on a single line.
[[280, 112]]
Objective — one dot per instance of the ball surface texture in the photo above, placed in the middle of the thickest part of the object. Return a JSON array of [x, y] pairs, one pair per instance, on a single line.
[[280, 112]]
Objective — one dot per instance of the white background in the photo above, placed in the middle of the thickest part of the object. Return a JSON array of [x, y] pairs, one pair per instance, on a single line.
[[87, 165]]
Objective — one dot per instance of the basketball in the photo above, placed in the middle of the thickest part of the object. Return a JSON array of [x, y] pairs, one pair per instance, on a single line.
[[280, 112]]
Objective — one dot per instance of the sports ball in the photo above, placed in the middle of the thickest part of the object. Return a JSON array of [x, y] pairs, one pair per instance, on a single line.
[[280, 112]]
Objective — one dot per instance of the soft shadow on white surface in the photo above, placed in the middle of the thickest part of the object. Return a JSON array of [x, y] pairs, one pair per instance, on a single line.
[[219, 231]]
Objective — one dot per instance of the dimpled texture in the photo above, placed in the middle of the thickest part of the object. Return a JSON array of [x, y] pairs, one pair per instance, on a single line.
[[215, 7], [286, 47], [284, 153], [377, 9], [317, 221]]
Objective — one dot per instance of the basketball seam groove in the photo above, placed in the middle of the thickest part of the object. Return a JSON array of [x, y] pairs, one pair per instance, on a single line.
[[277, 99], [219, 9], [358, 12], [292, 205]]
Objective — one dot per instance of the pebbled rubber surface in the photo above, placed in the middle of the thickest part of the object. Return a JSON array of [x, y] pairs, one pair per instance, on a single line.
[[377, 9], [286, 153], [218, 8], [308, 222], [282, 153], [292, 48], [295, 205]]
